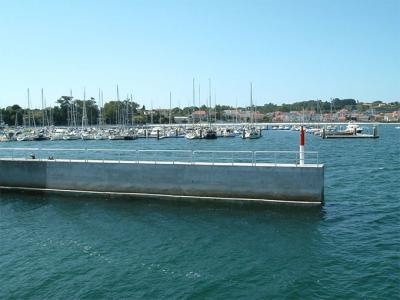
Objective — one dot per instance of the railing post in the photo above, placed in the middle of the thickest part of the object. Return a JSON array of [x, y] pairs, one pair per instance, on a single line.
[[232, 158], [301, 146], [213, 157], [137, 156], [275, 159]]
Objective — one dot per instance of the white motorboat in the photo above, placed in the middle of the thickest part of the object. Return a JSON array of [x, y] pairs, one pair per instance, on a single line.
[[87, 136], [71, 137], [353, 128], [252, 133], [192, 135], [228, 132]]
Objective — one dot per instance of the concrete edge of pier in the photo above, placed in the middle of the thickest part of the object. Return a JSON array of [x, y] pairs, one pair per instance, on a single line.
[[249, 201]]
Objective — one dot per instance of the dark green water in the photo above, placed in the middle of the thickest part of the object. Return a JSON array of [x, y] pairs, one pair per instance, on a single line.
[[71, 247]]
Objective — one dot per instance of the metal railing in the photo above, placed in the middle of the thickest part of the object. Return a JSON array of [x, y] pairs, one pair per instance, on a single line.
[[254, 158]]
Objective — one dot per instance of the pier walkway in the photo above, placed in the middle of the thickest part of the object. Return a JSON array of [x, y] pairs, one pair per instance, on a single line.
[[183, 157]]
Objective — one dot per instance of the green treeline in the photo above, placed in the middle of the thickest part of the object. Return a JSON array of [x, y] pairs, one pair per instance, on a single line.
[[69, 111]]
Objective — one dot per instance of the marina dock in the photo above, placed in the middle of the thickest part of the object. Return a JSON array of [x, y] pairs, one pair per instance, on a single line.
[[350, 133], [350, 136]]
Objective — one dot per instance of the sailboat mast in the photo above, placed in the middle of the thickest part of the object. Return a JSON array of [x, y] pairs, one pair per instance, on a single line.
[[194, 101], [151, 114], [209, 102], [72, 110], [46, 111], [170, 108], [251, 103], [236, 113], [43, 116], [126, 121], [215, 105], [118, 107], [84, 113], [199, 97], [133, 113], [100, 117], [103, 121], [29, 109], [194, 94]]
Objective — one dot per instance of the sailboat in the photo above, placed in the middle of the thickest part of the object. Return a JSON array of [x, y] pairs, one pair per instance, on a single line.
[[210, 133], [251, 132], [192, 133], [228, 132]]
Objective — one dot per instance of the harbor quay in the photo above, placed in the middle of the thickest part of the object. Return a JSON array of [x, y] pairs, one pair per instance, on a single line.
[[233, 176]]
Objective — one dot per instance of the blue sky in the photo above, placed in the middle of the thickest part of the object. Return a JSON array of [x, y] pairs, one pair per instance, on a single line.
[[290, 50]]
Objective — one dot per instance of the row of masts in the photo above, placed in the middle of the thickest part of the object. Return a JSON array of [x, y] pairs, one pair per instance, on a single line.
[[124, 113], [29, 119]]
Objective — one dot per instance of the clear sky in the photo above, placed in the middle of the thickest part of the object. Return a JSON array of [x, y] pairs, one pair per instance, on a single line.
[[290, 50]]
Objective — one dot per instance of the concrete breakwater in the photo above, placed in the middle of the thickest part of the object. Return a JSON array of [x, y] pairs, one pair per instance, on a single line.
[[258, 182]]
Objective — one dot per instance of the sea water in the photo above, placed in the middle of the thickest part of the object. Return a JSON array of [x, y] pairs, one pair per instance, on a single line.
[[92, 247]]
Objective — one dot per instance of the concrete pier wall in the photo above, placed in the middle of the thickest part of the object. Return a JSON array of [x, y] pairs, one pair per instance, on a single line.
[[219, 181]]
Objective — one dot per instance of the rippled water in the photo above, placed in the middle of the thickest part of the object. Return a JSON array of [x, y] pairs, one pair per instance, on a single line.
[[74, 247]]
